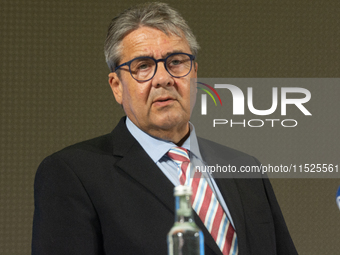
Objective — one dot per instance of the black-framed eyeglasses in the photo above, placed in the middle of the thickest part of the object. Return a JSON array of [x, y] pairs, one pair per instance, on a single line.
[[144, 68]]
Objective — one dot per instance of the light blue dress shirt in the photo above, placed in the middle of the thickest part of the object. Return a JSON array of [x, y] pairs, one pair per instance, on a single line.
[[157, 148]]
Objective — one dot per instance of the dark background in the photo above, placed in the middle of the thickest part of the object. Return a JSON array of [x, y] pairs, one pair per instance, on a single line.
[[54, 90]]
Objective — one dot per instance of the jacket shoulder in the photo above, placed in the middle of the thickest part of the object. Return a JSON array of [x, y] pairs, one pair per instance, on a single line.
[[102, 145]]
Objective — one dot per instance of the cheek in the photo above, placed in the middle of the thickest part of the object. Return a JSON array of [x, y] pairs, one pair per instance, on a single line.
[[142, 95], [136, 97], [192, 93], [188, 91]]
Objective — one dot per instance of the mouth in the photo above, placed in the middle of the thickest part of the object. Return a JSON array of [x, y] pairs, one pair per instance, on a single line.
[[163, 101]]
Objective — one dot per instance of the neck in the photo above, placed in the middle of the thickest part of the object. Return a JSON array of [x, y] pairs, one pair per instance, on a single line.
[[183, 212], [178, 136]]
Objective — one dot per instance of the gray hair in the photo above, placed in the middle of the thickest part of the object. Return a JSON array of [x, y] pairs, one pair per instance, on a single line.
[[156, 15]]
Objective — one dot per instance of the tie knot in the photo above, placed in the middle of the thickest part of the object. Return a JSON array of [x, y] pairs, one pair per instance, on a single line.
[[179, 154]]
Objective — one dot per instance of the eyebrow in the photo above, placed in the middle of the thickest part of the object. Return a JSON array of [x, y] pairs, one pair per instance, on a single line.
[[163, 56]]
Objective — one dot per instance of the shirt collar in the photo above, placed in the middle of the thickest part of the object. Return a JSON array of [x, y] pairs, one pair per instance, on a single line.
[[156, 147]]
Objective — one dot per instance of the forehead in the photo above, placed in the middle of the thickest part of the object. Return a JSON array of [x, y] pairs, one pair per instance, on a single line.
[[146, 41]]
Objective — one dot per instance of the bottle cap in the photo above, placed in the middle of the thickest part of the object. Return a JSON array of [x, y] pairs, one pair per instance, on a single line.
[[182, 190]]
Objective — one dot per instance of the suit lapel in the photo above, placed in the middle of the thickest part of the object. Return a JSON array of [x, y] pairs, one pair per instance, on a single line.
[[138, 165]]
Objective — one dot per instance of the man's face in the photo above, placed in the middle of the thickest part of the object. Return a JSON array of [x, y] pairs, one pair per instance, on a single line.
[[161, 106]]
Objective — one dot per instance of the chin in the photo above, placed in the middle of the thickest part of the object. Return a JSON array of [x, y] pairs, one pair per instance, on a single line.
[[172, 123]]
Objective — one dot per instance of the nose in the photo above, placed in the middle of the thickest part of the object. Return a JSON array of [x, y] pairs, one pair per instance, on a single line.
[[162, 78]]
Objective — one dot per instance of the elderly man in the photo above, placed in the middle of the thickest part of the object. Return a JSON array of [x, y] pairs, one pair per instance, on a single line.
[[113, 194]]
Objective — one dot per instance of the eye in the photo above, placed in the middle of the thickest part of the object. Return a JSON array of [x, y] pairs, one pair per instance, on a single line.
[[175, 62], [143, 66]]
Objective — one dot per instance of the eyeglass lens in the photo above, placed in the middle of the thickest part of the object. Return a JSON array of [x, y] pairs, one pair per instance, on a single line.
[[177, 65]]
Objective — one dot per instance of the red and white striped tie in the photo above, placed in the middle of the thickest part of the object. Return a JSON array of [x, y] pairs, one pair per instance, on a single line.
[[205, 203]]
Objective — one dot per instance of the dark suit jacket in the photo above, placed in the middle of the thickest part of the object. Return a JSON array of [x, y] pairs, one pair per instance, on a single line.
[[106, 196]]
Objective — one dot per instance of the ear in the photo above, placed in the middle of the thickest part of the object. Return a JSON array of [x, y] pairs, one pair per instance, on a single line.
[[116, 86]]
